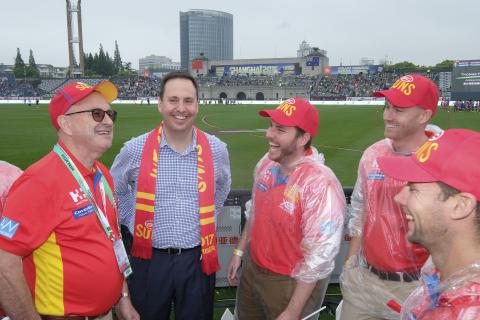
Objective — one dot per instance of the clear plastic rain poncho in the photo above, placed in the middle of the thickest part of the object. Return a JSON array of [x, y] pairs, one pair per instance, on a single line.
[[381, 224], [297, 222], [454, 298], [8, 174]]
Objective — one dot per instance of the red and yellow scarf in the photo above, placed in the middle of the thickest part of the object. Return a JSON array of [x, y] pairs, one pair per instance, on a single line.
[[145, 203]]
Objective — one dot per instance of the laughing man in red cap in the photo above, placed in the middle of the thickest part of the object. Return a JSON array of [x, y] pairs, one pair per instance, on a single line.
[[382, 266], [441, 204], [60, 220], [293, 235]]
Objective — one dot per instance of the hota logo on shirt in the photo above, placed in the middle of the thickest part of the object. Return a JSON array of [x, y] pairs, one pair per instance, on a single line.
[[77, 195]]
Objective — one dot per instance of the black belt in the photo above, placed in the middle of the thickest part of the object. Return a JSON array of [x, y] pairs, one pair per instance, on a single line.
[[175, 250], [394, 276]]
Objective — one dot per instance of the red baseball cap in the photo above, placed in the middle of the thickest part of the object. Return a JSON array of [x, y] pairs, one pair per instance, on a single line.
[[295, 112], [412, 90], [451, 158], [76, 91]]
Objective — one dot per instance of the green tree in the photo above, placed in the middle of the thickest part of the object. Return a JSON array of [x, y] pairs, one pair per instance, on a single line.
[[109, 65], [445, 64], [19, 67], [117, 59], [127, 70], [32, 69], [102, 62], [404, 65]]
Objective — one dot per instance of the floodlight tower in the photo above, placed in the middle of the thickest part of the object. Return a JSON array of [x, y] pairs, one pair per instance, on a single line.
[[75, 39]]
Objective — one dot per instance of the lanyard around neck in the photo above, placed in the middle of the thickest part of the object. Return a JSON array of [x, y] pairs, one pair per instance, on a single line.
[[86, 189]]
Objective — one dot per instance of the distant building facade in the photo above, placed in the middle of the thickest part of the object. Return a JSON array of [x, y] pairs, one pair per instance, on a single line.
[[205, 31], [366, 61], [304, 49], [157, 64], [310, 65]]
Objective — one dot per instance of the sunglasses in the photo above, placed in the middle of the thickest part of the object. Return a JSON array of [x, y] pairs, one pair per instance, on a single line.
[[98, 114]]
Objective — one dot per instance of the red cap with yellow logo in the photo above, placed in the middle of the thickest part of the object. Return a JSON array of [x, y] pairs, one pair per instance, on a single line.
[[451, 158], [295, 112], [76, 91], [412, 90]]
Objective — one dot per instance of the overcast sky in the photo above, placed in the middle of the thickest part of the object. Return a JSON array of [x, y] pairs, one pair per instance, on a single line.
[[424, 32]]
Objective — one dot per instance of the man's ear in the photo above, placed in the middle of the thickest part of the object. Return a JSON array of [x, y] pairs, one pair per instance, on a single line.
[[465, 205], [304, 138], [160, 105], [425, 116], [64, 124]]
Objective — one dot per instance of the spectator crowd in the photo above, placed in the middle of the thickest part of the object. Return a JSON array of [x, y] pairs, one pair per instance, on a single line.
[[321, 87]]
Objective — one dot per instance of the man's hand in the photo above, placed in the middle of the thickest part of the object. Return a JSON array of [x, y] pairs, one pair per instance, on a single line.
[[232, 275], [125, 310], [289, 314]]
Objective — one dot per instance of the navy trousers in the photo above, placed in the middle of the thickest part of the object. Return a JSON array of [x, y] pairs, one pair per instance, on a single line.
[[169, 279]]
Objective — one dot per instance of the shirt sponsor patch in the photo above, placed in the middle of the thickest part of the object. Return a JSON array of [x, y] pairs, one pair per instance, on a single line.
[[262, 187], [82, 212], [287, 206], [376, 176], [328, 227], [8, 227]]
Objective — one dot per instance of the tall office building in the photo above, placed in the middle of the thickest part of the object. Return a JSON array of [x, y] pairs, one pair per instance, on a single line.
[[205, 31]]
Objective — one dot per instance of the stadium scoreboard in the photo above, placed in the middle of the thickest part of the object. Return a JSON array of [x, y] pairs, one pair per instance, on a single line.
[[466, 80]]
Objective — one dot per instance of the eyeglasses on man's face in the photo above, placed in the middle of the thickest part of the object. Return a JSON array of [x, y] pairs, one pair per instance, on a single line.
[[98, 114]]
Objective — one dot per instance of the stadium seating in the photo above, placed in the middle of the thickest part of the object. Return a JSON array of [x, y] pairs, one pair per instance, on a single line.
[[322, 87]]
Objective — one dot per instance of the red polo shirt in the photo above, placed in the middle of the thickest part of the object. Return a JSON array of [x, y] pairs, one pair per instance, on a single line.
[[68, 260], [385, 243]]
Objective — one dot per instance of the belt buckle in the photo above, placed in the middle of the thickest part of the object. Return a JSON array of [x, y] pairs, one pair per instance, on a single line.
[[175, 251]]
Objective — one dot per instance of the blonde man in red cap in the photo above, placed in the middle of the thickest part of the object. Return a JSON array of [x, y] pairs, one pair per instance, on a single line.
[[382, 267], [60, 220], [293, 233], [441, 204]]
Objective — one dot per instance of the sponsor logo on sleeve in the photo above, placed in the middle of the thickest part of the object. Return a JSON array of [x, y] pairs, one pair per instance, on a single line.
[[82, 212], [376, 176], [8, 227], [262, 186], [328, 227]]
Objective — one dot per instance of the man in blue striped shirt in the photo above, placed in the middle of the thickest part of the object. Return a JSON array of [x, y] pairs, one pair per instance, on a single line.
[[173, 273]]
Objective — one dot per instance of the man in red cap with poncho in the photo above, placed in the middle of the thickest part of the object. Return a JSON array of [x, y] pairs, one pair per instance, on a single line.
[[293, 235]]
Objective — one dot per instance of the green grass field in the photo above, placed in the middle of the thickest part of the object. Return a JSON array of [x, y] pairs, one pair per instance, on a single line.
[[345, 131]]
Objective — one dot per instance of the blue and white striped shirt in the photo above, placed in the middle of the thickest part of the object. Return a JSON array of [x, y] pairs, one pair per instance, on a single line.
[[176, 216]]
